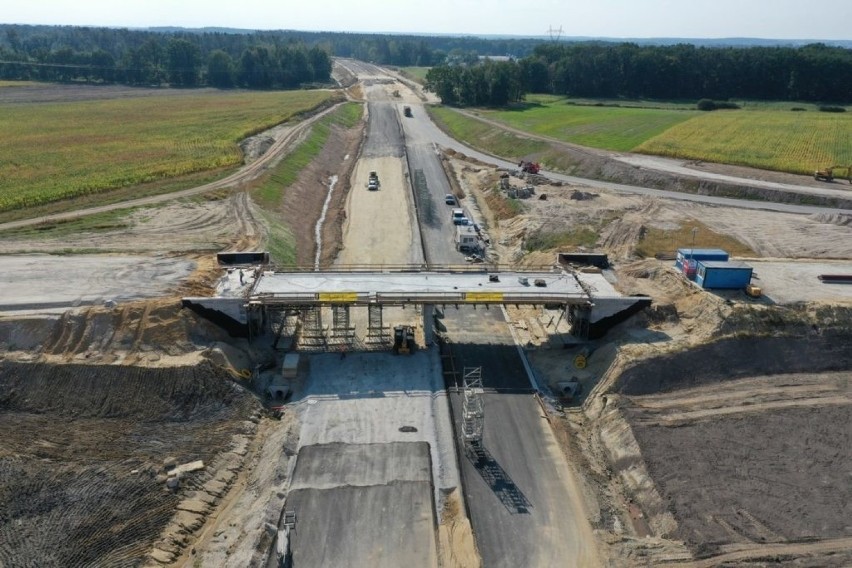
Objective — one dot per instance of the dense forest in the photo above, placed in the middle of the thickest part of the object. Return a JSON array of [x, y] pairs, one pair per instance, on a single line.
[[288, 59], [814, 72], [219, 58]]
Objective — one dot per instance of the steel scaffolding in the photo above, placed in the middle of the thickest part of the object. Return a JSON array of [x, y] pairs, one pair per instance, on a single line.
[[473, 415], [313, 334], [342, 333], [377, 333]]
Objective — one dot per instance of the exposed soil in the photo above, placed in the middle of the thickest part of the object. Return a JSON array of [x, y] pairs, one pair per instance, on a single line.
[[750, 401], [709, 427], [82, 448], [302, 203], [85, 458]]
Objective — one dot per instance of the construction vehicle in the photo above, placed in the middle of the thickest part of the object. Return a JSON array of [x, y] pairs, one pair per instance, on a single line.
[[529, 167], [373, 181], [832, 172], [406, 110], [403, 339]]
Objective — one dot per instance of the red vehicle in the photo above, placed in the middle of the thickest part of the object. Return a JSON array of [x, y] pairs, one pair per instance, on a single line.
[[529, 167]]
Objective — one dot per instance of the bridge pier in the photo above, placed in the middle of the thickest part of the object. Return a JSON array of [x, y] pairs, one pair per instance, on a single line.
[[428, 324]]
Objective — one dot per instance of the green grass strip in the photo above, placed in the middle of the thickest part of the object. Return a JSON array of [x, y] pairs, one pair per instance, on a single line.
[[282, 244], [609, 128]]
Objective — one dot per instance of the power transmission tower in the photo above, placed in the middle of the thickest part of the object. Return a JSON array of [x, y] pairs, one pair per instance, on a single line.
[[555, 33]]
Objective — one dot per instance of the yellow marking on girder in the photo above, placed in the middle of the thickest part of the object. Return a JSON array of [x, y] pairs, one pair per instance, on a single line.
[[495, 297], [338, 297]]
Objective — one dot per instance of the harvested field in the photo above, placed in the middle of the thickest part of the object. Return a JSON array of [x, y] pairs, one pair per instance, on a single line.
[[81, 448]]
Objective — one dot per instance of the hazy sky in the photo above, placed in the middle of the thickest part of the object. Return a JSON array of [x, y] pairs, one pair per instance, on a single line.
[[776, 19]]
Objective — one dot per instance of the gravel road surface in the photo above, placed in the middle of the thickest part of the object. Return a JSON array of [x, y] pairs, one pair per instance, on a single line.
[[430, 186]]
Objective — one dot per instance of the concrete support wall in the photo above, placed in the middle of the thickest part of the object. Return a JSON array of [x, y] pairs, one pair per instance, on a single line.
[[428, 324]]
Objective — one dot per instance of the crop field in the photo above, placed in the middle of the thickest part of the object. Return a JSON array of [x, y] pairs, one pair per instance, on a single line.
[[55, 151], [763, 135], [416, 73], [478, 134], [796, 142], [609, 128]]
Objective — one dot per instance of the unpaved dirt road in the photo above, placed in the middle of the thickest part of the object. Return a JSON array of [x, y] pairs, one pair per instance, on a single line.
[[380, 227], [55, 283]]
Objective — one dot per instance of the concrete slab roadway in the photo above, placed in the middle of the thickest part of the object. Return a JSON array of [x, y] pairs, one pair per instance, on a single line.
[[525, 506]]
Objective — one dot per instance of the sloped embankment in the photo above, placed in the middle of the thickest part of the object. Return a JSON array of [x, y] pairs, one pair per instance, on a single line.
[[81, 447], [742, 442]]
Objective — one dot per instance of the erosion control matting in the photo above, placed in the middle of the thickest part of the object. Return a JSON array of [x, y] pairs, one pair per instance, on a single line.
[[80, 449]]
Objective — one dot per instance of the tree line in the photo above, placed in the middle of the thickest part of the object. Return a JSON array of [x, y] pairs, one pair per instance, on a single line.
[[287, 59], [154, 59], [815, 72], [218, 57]]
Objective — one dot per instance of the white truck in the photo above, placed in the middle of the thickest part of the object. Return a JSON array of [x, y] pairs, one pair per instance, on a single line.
[[466, 239]]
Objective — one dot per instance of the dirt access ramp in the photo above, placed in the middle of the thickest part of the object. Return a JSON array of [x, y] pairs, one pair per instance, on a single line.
[[739, 445]]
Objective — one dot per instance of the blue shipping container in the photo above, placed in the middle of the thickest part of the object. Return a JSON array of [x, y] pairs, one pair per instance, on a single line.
[[698, 254], [723, 275]]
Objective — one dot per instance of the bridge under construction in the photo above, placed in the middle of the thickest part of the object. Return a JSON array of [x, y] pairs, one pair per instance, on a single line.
[[282, 302]]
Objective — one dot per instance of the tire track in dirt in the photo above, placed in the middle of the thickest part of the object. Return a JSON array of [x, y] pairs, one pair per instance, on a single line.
[[771, 551], [743, 396]]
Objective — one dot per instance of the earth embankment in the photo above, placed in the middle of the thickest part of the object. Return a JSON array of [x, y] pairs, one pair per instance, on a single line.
[[82, 450], [740, 445]]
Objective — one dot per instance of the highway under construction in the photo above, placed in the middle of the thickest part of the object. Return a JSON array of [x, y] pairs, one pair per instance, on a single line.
[[506, 481], [393, 401]]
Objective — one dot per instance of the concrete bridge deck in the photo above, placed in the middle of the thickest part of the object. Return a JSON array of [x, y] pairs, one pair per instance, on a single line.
[[428, 287]]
